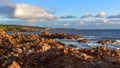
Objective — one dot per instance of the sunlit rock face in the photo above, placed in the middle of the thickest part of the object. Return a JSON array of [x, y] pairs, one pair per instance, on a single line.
[[60, 35], [35, 51]]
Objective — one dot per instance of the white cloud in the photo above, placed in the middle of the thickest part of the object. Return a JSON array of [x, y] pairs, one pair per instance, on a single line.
[[98, 24], [66, 24], [67, 17], [28, 12], [101, 14], [106, 20], [115, 22], [81, 22], [114, 16], [8, 2], [55, 24], [86, 15]]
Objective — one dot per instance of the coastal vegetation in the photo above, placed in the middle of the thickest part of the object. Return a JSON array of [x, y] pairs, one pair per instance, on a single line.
[[21, 28]]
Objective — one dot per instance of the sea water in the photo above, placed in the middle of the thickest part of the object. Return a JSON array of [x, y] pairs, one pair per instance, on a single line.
[[92, 35]]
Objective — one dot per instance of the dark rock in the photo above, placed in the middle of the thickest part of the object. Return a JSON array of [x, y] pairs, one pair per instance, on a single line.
[[83, 41], [36, 51], [104, 42], [73, 46]]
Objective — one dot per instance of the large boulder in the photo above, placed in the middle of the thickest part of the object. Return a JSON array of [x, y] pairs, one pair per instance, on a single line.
[[46, 34]]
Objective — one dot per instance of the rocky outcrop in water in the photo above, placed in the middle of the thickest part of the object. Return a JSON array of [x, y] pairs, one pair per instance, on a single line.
[[59, 35], [83, 41], [35, 51], [72, 46], [104, 42]]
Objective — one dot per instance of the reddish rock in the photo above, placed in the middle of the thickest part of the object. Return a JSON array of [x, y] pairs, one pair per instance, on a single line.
[[14, 65], [59, 35], [3, 65], [104, 42], [36, 51], [44, 47], [2, 32], [46, 34]]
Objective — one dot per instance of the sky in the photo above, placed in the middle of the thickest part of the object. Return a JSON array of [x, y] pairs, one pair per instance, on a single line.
[[77, 14]]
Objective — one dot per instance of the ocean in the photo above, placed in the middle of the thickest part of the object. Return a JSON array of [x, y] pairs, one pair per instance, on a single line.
[[92, 35]]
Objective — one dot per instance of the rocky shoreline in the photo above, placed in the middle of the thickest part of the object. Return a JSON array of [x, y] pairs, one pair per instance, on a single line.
[[42, 51]]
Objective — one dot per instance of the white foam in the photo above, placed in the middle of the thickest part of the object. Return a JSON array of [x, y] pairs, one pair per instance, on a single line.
[[89, 44], [118, 41]]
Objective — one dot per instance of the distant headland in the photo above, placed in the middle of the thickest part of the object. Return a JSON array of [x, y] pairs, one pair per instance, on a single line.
[[22, 28]]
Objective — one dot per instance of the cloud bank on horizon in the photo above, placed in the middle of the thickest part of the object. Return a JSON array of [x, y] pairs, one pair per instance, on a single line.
[[12, 11]]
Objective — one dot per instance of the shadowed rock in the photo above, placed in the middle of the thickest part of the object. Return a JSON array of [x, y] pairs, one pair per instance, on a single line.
[[35, 51], [73, 46], [83, 41], [59, 35], [104, 42]]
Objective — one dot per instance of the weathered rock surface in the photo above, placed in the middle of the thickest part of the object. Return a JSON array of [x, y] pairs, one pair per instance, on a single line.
[[34, 51], [72, 46], [59, 35], [104, 42], [14, 65], [83, 41]]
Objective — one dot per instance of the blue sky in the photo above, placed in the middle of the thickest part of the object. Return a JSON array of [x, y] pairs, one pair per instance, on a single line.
[[80, 14], [77, 7]]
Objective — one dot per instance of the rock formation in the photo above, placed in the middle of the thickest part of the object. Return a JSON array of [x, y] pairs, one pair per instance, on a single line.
[[35, 51]]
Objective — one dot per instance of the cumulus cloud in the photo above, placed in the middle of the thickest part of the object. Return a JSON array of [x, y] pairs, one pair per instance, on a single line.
[[102, 21], [68, 17], [101, 14], [106, 21], [66, 24], [7, 8], [6, 11], [25, 11], [28, 12], [114, 16], [98, 23], [81, 22], [7, 2], [86, 16], [55, 24]]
